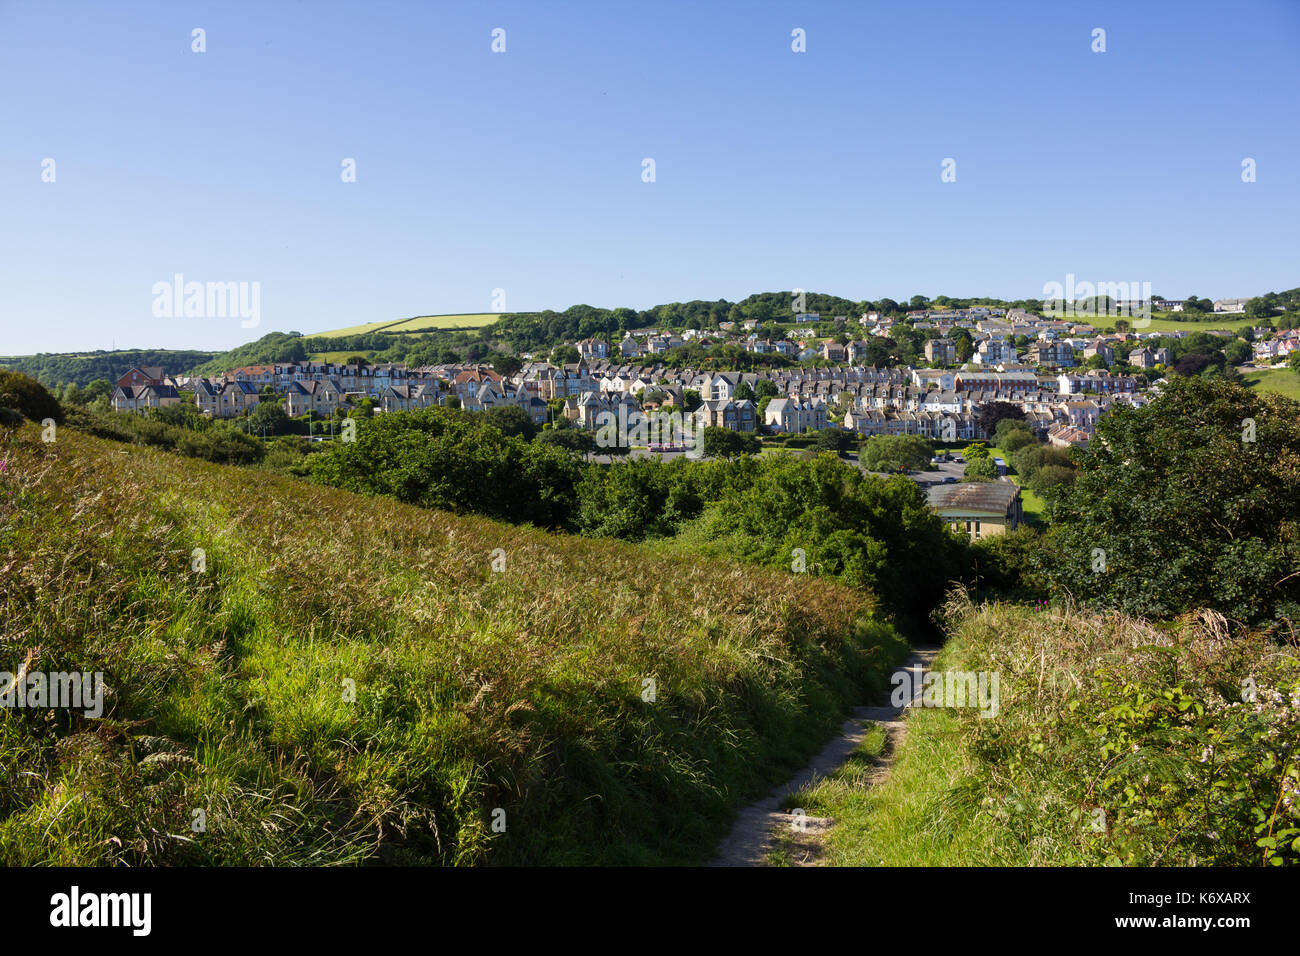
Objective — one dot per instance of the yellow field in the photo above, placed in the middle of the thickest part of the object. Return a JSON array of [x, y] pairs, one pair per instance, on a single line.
[[420, 323]]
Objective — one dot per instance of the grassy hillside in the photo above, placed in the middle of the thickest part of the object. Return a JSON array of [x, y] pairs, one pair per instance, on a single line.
[[1114, 742], [518, 695], [421, 323]]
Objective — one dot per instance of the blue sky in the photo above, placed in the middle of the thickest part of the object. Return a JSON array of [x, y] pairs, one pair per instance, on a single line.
[[522, 170]]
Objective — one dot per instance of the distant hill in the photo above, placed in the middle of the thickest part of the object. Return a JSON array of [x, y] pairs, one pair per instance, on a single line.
[[430, 339], [58, 368]]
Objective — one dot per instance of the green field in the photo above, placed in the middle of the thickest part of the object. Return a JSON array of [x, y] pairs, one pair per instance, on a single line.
[[335, 357], [1281, 381], [1166, 322], [420, 323]]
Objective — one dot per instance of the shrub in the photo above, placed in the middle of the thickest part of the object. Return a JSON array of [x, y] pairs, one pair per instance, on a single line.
[[222, 443], [29, 397], [1015, 440], [981, 468], [1120, 743], [1050, 477], [1008, 426]]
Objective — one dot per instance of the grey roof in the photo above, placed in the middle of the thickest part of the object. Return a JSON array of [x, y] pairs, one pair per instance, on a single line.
[[991, 497]]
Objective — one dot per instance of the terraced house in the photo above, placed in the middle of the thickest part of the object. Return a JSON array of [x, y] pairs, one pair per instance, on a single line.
[[404, 398], [739, 416], [792, 416], [319, 397]]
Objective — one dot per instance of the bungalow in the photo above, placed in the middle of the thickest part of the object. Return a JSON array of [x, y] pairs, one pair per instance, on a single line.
[[979, 509]]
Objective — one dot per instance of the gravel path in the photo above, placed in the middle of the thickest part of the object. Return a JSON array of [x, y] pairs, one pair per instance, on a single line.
[[752, 835]]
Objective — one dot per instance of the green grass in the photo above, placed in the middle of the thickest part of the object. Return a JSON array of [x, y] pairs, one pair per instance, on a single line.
[[421, 323], [1165, 322], [335, 357], [1282, 381], [475, 690], [1031, 503], [1096, 755], [914, 817]]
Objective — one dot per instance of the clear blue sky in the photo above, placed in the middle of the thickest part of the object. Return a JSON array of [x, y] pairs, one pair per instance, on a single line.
[[522, 170]]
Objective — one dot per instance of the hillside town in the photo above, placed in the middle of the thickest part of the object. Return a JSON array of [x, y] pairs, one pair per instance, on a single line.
[[1033, 363]]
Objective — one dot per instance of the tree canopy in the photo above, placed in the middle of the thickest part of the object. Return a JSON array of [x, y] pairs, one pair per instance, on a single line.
[[1192, 501]]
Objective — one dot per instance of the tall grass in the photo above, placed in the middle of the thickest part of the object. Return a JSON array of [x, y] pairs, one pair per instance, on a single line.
[[588, 702]]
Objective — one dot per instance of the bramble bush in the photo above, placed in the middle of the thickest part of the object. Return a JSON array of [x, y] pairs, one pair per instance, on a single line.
[[1118, 742]]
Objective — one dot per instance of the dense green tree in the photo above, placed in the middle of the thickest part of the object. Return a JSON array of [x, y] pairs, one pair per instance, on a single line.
[[506, 365], [980, 468], [511, 420], [1016, 439], [459, 461], [896, 453], [571, 439], [1237, 352], [725, 443], [564, 355], [1006, 426], [1192, 501], [833, 440], [993, 413], [1030, 458]]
